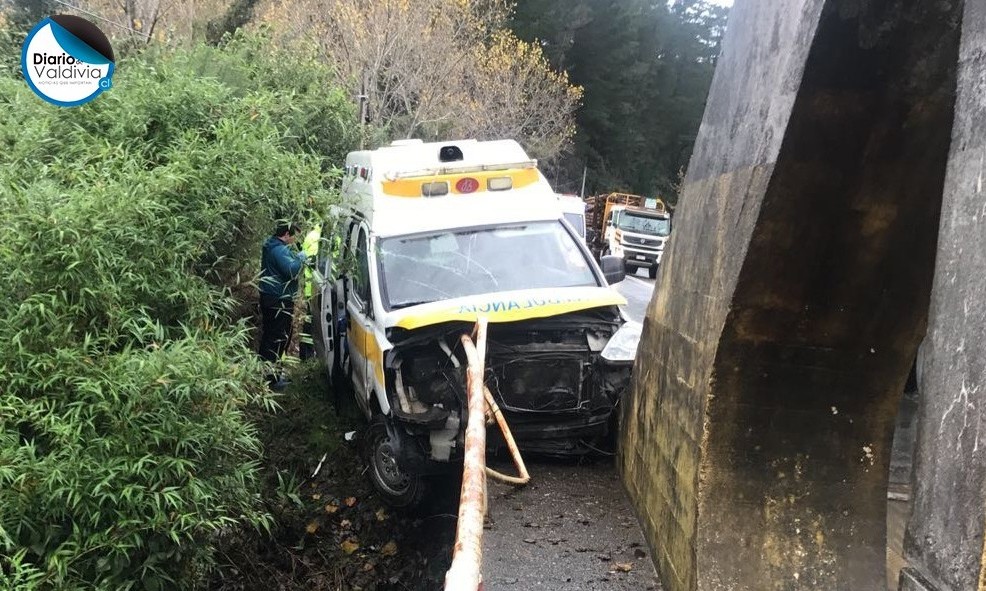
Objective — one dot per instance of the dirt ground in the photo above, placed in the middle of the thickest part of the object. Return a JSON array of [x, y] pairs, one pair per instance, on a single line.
[[571, 528], [333, 532]]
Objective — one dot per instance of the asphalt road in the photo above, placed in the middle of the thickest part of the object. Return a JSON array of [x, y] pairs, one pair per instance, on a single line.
[[637, 289], [571, 528]]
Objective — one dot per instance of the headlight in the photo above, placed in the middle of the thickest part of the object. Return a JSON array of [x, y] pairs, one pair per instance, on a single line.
[[623, 346]]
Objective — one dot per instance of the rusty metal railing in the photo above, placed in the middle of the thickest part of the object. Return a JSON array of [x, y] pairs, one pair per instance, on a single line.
[[523, 477], [465, 574]]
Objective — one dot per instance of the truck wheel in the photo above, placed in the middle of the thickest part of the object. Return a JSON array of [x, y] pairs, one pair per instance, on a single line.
[[398, 487], [652, 272]]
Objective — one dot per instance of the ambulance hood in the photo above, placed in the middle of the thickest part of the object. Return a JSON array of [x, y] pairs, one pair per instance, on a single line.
[[505, 306]]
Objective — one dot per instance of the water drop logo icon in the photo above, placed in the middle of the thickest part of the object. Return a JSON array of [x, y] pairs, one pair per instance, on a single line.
[[67, 60]]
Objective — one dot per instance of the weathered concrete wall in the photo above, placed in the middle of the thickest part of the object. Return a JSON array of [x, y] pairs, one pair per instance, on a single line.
[[748, 108], [757, 438], [944, 544]]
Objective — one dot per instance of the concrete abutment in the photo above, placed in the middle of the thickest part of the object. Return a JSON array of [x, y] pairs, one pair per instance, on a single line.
[[756, 441]]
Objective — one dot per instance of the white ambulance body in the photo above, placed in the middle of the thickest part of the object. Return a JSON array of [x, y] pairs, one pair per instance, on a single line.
[[438, 235]]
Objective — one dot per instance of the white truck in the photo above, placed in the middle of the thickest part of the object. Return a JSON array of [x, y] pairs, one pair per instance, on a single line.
[[633, 227], [639, 235]]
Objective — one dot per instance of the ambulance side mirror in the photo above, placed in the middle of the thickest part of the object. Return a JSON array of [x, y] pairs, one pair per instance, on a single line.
[[614, 268]]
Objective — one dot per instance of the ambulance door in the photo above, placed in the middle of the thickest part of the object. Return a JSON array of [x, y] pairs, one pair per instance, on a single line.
[[358, 308], [322, 308]]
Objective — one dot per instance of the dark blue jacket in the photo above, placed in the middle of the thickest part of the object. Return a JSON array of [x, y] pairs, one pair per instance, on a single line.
[[280, 266]]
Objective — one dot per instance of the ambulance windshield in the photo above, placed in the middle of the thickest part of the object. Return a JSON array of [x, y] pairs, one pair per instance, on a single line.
[[444, 265]]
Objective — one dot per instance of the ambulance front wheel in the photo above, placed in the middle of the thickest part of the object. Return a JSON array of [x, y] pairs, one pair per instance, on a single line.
[[399, 487]]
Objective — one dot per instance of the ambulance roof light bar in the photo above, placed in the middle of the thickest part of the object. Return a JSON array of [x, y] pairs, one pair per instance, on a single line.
[[406, 174]]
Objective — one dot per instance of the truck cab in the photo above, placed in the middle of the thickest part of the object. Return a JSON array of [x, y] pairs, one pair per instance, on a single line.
[[638, 235], [436, 235]]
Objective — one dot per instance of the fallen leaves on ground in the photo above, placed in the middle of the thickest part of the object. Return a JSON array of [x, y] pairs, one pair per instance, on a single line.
[[349, 546], [337, 530]]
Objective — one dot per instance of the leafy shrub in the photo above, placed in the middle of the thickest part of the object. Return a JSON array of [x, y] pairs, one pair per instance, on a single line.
[[317, 115], [126, 380]]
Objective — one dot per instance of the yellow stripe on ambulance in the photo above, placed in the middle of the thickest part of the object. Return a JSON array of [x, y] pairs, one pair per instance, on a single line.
[[510, 309]]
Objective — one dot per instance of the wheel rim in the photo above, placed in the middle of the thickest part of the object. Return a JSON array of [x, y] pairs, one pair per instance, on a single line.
[[388, 472]]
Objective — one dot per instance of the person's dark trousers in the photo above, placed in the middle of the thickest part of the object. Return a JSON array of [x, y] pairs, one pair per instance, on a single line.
[[306, 347], [276, 316]]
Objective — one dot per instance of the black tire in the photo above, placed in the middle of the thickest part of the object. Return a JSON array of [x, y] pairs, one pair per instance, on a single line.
[[652, 272], [398, 488]]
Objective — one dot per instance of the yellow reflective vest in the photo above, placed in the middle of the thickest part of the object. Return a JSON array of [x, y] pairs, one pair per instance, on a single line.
[[310, 248]]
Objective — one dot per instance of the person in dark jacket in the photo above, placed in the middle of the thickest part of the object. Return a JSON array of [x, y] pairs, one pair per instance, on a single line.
[[281, 265]]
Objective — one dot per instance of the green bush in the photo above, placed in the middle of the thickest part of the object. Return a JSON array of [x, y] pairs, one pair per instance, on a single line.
[[315, 114], [126, 380]]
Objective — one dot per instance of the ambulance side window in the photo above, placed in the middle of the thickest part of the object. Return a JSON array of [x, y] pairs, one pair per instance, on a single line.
[[361, 277]]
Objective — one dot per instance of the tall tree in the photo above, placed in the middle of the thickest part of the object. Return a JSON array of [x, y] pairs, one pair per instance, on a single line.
[[645, 68], [436, 69]]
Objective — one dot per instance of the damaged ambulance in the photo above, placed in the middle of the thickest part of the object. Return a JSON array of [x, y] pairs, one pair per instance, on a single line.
[[437, 235]]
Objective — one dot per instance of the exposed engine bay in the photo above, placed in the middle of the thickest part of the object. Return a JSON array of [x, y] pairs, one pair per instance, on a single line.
[[548, 376]]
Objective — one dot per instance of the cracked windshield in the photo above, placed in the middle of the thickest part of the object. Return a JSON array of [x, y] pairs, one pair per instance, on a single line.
[[446, 265]]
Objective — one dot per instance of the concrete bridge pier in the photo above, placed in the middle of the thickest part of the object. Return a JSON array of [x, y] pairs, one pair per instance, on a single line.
[[944, 540], [757, 438]]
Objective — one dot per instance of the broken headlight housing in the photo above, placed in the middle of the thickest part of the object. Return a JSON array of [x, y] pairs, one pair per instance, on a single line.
[[622, 348]]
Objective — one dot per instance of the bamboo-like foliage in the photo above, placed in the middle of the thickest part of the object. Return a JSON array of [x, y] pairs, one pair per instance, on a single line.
[[125, 379]]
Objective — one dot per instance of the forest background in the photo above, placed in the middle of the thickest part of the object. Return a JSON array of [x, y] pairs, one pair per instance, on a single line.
[[609, 90]]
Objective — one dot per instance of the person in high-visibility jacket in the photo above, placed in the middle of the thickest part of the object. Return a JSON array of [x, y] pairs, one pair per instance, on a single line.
[[306, 347]]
